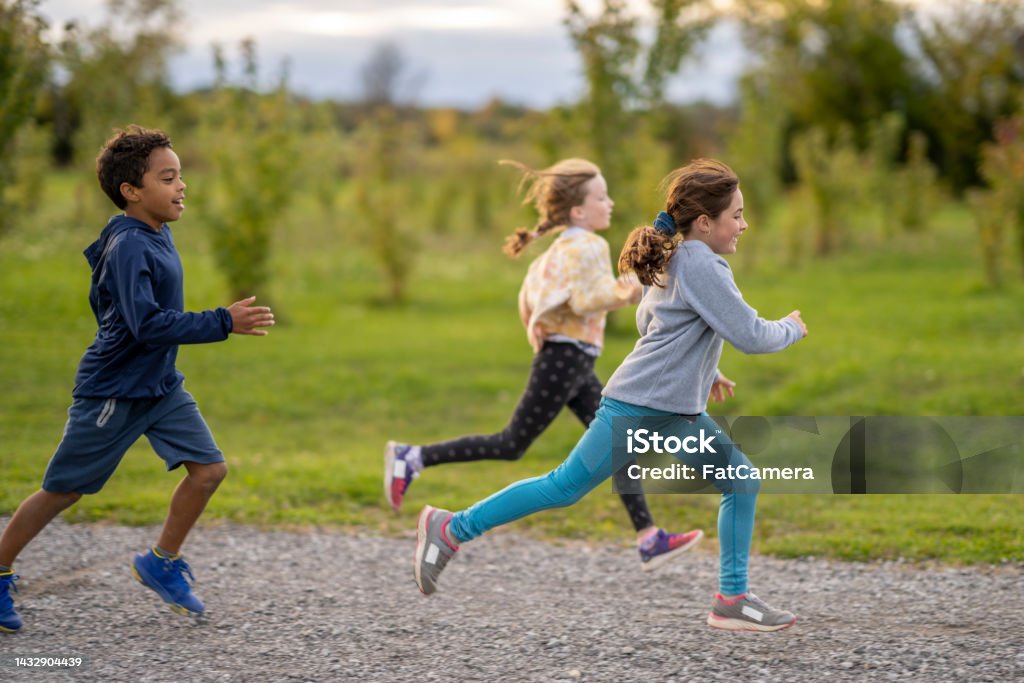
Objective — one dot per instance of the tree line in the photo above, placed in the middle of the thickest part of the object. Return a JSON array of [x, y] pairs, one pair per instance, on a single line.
[[848, 108]]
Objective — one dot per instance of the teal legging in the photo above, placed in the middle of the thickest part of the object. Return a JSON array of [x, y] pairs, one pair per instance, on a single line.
[[590, 463]]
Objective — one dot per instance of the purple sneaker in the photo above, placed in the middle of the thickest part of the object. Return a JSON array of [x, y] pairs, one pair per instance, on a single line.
[[398, 473], [662, 546]]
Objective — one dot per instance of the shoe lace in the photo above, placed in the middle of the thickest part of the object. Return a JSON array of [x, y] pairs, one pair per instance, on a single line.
[[759, 602], [649, 544], [179, 568]]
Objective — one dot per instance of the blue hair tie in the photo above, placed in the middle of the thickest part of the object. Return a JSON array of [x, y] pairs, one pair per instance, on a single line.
[[663, 222]]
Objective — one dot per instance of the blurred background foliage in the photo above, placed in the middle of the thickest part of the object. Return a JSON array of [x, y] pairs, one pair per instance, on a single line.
[[861, 116]]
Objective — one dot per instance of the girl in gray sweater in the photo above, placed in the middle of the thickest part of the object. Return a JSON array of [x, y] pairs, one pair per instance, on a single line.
[[690, 307]]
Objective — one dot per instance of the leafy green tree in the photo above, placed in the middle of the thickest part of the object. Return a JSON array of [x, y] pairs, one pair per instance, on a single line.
[[990, 217], [30, 162], [680, 27], [250, 142], [919, 190], [382, 200], [882, 156], [901, 194], [24, 67], [973, 59], [756, 151], [828, 174], [626, 75], [609, 48], [321, 148], [382, 170], [1003, 170], [833, 65], [116, 75]]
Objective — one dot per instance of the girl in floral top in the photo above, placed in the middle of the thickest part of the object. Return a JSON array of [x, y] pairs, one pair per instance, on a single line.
[[563, 302]]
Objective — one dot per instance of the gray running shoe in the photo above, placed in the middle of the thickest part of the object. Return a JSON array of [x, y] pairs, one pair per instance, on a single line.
[[748, 613], [432, 548]]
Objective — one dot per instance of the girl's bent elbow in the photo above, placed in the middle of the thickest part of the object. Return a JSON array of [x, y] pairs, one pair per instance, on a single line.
[[749, 348]]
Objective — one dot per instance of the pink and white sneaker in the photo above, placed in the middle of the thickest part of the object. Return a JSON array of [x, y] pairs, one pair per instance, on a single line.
[[398, 473], [748, 612]]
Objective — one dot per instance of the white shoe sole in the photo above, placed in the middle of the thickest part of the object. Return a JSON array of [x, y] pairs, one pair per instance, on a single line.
[[421, 547], [389, 469], [729, 624]]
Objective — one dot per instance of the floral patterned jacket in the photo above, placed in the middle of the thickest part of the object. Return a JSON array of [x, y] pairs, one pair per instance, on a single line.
[[569, 289]]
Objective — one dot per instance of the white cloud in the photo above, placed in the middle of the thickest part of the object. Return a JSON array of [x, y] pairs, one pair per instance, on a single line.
[[470, 50], [386, 21]]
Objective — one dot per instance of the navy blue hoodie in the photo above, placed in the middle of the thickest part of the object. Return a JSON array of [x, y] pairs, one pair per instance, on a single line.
[[138, 299]]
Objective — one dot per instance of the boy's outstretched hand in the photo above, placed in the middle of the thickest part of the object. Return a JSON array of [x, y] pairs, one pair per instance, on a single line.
[[249, 319]]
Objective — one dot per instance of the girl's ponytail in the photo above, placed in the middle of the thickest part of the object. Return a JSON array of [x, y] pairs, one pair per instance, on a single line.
[[517, 241], [703, 187], [553, 192], [648, 249]]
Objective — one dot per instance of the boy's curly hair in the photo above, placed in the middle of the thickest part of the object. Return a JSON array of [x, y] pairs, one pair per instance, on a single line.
[[125, 159]]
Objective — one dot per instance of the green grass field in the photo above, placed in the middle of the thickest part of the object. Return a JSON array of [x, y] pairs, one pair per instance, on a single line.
[[900, 327]]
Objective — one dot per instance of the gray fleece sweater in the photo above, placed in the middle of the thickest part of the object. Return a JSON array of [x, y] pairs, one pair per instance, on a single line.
[[682, 326]]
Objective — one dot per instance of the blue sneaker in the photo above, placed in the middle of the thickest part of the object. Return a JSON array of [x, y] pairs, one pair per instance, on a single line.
[[9, 619], [166, 576], [398, 473], [663, 546]]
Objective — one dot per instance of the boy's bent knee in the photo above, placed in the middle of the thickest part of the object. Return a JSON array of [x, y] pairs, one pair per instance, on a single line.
[[64, 499], [216, 472], [208, 475]]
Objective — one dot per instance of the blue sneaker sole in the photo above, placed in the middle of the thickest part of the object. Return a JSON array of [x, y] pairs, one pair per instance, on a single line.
[[174, 607], [7, 629]]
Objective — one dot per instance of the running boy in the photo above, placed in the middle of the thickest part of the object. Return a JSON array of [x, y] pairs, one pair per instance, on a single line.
[[127, 385]]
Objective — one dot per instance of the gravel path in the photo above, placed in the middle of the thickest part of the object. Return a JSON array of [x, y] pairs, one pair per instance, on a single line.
[[328, 606]]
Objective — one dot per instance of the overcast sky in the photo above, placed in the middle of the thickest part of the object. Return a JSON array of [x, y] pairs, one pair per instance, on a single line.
[[466, 51]]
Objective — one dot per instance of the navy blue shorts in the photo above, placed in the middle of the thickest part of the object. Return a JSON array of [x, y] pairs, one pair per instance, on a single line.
[[100, 431]]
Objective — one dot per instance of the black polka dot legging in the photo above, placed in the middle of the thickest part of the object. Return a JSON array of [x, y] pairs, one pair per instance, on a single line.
[[561, 375]]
